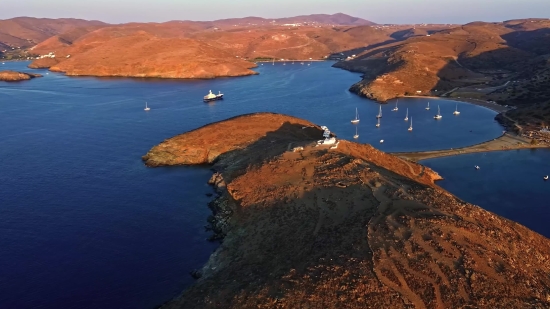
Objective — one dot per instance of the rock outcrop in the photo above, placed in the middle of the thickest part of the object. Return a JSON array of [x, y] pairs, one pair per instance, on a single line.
[[346, 227], [13, 76]]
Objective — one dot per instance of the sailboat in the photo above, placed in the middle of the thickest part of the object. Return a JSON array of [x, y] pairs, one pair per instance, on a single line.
[[395, 109], [407, 116], [379, 112], [356, 120], [456, 112], [378, 124], [356, 134], [545, 177], [146, 107], [438, 116], [428, 107], [411, 127], [273, 63]]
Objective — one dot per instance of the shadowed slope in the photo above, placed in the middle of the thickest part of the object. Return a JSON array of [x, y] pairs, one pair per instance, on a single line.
[[350, 227]]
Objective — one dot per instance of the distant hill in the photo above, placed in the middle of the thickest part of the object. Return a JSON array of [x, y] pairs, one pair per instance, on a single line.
[[338, 19], [506, 62], [25, 32], [109, 50]]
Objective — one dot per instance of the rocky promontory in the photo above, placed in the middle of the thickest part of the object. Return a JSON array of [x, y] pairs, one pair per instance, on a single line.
[[142, 54], [307, 225], [13, 76]]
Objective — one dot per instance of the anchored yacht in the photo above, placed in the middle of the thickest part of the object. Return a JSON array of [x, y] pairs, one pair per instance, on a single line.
[[213, 97]]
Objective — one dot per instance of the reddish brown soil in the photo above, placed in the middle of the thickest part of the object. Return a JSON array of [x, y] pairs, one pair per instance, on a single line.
[[350, 227], [25, 32], [476, 53], [198, 50]]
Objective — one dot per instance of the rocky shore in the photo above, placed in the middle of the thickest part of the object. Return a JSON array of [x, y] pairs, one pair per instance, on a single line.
[[13, 76], [310, 226]]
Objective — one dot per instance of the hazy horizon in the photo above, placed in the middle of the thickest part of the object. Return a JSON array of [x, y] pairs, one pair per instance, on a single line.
[[378, 11]]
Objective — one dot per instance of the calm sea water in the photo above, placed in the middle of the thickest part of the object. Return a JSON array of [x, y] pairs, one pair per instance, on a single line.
[[83, 224], [508, 183]]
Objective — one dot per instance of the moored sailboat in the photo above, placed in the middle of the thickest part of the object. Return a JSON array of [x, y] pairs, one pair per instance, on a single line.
[[356, 120], [456, 112], [146, 107], [407, 115], [438, 116], [411, 126], [395, 109]]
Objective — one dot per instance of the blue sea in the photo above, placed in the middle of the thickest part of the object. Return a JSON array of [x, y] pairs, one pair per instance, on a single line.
[[84, 224]]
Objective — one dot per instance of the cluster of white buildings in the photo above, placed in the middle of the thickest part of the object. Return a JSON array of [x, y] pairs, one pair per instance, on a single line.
[[49, 55]]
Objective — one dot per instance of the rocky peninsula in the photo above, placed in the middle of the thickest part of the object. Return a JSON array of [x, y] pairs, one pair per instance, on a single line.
[[13, 76], [306, 225]]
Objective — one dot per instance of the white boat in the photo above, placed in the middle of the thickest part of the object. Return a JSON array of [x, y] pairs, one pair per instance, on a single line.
[[378, 124], [545, 177], [379, 112], [395, 109], [356, 136], [381, 141], [411, 127], [212, 97], [456, 112], [428, 107], [146, 107], [273, 61], [438, 116], [407, 115], [477, 167], [356, 120]]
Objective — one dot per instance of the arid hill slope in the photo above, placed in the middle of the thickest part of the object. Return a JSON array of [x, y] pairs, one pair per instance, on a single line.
[[350, 227], [473, 53], [24, 32], [250, 42], [155, 57]]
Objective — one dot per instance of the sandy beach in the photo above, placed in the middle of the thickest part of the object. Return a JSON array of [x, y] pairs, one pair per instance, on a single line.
[[492, 106], [505, 142]]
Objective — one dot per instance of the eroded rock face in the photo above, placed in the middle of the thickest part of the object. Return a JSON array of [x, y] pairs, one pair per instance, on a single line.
[[12, 76], [351, 227]]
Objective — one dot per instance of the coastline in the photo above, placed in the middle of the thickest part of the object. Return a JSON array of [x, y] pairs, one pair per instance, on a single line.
[[505, 142], [492, 106], [266, 194]]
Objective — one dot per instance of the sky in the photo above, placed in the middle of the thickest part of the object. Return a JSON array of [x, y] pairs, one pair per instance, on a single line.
[[379, 11]]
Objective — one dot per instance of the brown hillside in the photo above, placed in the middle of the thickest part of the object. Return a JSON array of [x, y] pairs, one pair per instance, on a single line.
[[476, 55], [251, 43], [350, 227], [152, 56], [24, 32]]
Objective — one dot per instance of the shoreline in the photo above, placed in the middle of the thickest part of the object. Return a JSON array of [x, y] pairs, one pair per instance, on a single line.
[[503, 143], [492, 106]]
